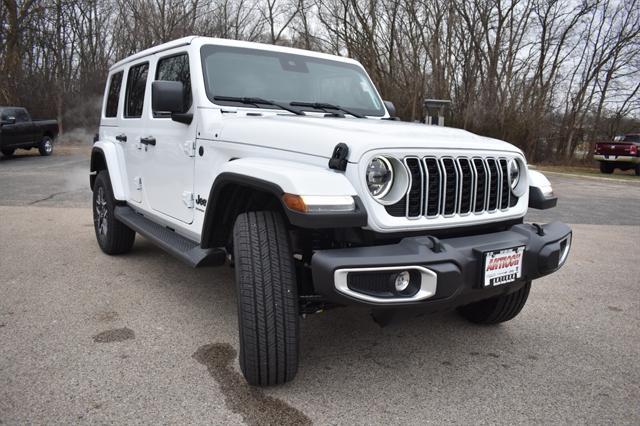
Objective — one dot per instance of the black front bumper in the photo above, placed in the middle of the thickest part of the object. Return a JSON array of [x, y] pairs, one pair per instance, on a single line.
[[458, 264]]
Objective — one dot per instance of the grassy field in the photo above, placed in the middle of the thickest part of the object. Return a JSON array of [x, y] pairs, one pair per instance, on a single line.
[[588, 171]]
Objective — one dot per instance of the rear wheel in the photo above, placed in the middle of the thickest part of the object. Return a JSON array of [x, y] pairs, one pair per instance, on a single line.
[[114, 237], [606, 168], [497, 309], [8, 152], [46, 146], [267, 299]]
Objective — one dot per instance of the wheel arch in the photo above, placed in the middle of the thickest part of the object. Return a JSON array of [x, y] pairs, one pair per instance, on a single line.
[[234, 193], [103, 157]]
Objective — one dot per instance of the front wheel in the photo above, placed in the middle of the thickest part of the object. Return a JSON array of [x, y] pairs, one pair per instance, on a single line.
[[8, 152], [46, 146], [497, 309], [267, 298]]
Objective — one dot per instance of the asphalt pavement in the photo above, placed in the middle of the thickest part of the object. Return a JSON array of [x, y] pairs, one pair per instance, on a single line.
[[141, 338]]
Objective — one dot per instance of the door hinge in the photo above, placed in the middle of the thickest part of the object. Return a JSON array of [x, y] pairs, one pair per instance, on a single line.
[[138, 182], [187, 199], [189, 148]]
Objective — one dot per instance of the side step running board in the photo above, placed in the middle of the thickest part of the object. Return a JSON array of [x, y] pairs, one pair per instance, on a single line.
[[177, 245]]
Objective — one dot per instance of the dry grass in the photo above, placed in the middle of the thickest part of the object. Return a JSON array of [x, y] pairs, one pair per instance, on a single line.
[[588, 171]]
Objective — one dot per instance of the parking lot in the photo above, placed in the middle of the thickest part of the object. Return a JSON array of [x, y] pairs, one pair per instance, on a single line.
[[141, 338]]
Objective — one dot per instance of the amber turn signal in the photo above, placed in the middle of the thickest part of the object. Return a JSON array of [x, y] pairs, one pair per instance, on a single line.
[[319, 203], [294, 202]]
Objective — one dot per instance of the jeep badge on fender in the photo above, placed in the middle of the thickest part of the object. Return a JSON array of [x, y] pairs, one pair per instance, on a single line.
[[402, 216]]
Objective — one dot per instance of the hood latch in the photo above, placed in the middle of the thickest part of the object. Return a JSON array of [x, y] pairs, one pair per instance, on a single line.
[[338, 160]]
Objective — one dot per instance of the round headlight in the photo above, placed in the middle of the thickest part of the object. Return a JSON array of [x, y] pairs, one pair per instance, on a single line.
[[379, 176], [514, 173]]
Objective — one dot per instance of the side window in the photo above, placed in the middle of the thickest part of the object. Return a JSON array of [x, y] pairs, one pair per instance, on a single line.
[[176, 68], [111, 110], [136, 85], [21, 115]]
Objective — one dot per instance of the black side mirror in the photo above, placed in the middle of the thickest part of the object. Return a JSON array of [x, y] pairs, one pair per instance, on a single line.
[[391, 108], [8, 120], [168, 97]]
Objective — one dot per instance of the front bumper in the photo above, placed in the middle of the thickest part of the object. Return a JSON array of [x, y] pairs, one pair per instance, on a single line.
[[456, 269]]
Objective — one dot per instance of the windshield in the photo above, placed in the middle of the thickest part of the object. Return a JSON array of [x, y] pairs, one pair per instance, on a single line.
[[285, 78]]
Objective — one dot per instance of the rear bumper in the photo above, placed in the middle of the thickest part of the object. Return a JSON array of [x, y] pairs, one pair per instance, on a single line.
[[617, 158], [455, 273]]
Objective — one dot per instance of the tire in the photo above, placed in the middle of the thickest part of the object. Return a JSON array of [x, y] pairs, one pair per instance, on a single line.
[[46, 146], [8, 152], [497, 309], [606, 168], [267, 299], [638, 169], [114, 237]]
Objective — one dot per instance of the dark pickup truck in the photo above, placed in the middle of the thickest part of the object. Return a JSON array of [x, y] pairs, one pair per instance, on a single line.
[[19, 131], [623, 153]]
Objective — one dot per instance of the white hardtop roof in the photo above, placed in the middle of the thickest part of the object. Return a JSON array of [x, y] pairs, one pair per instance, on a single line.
[[199, 41]]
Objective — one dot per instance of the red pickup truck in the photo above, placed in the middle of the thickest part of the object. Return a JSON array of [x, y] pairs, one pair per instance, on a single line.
[[623, 153]]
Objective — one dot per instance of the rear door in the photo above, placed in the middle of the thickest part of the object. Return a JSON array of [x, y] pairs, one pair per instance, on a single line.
[[132, 125], [168, 165]]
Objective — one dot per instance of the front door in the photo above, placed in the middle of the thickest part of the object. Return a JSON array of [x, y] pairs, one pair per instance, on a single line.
[[11, 136], [168, 165]]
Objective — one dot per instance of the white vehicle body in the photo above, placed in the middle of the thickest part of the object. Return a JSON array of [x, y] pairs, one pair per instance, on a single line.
[[164, 180], [316, 205]]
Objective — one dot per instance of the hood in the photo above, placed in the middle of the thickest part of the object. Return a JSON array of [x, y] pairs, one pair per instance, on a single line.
[[315, 135]]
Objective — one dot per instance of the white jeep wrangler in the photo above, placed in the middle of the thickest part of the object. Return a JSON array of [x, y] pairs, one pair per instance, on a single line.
[[288, 165]]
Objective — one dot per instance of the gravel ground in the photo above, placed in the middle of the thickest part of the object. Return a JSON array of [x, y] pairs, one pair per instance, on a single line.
[[141, 338]]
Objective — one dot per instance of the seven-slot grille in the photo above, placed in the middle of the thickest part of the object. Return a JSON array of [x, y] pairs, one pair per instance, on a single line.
[[448, 186]]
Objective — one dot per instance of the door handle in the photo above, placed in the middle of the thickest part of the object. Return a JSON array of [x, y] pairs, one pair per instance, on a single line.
[[150, 140], [122, 138]]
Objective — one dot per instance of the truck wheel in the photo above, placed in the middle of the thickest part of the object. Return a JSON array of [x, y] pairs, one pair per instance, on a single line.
[[46, 146], [114, 237], [497, 309], [606, 168], [267, 299], [8, 152]]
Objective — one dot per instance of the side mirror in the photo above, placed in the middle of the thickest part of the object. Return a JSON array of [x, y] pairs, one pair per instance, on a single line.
[[8, 120], [168, 97], [391, 108]]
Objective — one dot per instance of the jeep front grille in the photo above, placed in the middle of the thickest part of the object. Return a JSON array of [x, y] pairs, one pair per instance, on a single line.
[[448, 186]]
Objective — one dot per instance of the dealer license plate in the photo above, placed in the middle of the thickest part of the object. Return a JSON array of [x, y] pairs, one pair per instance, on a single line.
[[503, 266]]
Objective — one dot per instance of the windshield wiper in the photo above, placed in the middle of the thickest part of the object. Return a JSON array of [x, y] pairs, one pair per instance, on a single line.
[[324, 106], [257, 101]]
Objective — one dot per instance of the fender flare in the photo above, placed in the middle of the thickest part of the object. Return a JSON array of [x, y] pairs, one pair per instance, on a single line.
[[216, 206], [104, 156]]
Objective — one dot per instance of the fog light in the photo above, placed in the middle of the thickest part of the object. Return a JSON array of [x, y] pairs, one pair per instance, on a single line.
[[402, 281], [564, 250]]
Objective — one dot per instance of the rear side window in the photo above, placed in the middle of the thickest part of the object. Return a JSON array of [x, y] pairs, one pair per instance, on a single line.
[[176, 68], [136, 85], [111, 110]]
